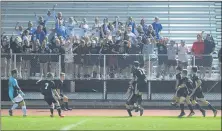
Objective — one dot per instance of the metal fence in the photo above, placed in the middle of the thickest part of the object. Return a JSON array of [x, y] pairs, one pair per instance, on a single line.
[[105, 66]]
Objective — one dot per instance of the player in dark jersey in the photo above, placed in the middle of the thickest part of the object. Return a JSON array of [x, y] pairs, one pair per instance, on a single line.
[[178, 82], [51, 96], [183, 94], [197, 93], [138, 82]]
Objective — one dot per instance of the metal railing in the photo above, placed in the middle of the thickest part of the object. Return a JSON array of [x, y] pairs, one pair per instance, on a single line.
[[105, 66]]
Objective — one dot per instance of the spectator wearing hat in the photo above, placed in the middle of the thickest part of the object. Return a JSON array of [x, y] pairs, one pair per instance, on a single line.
[[157, 27], [182, 55]]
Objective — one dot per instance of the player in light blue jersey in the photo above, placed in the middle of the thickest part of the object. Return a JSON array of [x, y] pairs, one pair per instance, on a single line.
[[15, 94]]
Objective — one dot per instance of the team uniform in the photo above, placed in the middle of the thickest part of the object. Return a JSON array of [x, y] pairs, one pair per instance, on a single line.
[[198, 94], [135, 98]]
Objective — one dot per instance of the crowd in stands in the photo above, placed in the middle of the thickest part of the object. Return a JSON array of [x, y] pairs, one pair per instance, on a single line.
[[109, 37]]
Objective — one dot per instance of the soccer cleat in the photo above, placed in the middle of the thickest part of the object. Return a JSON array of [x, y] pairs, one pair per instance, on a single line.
[[10, 113], [191, 114], [181, 114], [129, 112], [69, 109], [62, 116], [215, 113], [203, 113], [174, 104], [64, 109], [51, 115], [25, 115], [141, 111]]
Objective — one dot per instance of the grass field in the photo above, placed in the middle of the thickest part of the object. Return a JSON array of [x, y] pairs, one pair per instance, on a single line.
[[110, 123]]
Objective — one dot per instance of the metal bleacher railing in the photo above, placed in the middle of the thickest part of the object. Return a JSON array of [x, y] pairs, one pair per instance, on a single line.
[[94, 66]]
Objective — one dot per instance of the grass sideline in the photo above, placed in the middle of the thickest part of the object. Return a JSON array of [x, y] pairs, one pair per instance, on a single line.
[[109, 123]]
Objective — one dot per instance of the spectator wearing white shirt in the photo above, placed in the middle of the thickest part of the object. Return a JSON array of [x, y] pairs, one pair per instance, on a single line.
[[84, 27], [171, 53], [132, 36], [69, 58], [59, 17], [96, 28], [18, 29], [182, 55], [117, 23]]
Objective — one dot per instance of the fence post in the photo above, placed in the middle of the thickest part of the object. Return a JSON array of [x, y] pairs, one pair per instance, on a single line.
[[14, 61], [104, 78], [60, 64], [149, 90]]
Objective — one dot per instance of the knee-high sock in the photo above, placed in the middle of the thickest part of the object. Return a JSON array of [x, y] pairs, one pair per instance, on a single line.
[[24, 110], [190, 107], [66, 105], [211, 107], [139, 99], [199, 108], [14, 106], [182, 107], [59, 111], [51, 110]]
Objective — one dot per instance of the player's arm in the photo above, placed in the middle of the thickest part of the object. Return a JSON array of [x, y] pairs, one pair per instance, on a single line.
[[55, 91], [16, 87]]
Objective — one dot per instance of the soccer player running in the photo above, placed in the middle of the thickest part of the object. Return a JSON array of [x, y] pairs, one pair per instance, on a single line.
[[138, 82], [197, 93], [178, 82], [183, 94], [51, 96], [15, 94], [64, 99]]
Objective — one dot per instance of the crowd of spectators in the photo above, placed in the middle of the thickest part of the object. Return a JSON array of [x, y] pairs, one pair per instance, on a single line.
[[62, 45]]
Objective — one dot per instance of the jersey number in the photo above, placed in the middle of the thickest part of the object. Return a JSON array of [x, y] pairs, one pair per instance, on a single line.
[[46, 85]]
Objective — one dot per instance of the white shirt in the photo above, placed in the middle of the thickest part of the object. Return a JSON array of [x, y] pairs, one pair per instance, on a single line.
[[70, 29], [182, 53]]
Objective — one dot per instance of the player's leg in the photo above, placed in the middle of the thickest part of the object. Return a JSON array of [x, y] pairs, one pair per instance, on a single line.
[[51, 104], [65, 100], [209, 105], [129, 104], [181, 101], [194, 103], [14, 106], [23, 105], [189, 104], [62, 103], [56, 102], [175, 100]]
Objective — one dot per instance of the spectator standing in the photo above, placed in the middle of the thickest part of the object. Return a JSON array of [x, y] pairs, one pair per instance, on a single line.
[[84, 27], [131, 23], [60, 30], [144, 26], [220, 58], [18, 29], [70, 27], [172, 63], [198, 50], [42, 21], [104, 28], [27, 48], [182, 55], [5, 56], [157, 27], [30, 28], [209, 46], [39, 34], [96, 28], [68, 59], [117, 23]]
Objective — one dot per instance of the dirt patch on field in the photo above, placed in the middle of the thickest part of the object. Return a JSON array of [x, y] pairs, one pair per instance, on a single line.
[[104, 112]]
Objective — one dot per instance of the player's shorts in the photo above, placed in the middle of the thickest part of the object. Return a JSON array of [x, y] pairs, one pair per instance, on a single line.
[[18, 98], [141, 85], [182, 92], [197, 94], [49, 100], [132, 99]]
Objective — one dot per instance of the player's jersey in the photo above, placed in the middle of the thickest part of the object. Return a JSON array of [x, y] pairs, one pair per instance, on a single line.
[[139, 74], [194, 79], [13, 88], [47, 87], [179, 78]]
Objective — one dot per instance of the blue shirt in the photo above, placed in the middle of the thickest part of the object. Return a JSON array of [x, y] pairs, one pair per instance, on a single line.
[[39, 35], [157, 27], [61, 30], [13, 88]]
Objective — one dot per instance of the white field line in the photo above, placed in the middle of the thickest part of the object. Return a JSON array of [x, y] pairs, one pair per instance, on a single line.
[[66, 128]]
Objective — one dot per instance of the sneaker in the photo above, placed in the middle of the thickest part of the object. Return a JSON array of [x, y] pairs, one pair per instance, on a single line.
[[64, 109], [181, 114], [129, 112], [191, 114], [215, 113], [10, 113]]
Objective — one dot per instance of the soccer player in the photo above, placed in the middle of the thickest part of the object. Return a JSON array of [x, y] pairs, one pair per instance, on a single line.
[[178, 82], [138, 82], [183, 94], [15, 94], [64, 99], [197, 93], [51, 96]]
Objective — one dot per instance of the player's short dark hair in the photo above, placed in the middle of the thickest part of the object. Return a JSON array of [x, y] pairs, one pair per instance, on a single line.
[[179, 68], [14, 71], [136, 63], [62, 74], [194, 69], [49, 75], [185, 71]]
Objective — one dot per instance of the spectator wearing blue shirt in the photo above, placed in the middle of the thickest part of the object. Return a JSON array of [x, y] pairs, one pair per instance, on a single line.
[[132, 24], [157, 27], [39, 34], [43, 21], [30, 28], [60, 29]]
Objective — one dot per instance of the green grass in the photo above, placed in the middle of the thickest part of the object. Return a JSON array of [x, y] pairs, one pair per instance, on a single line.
[[110, 123]]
